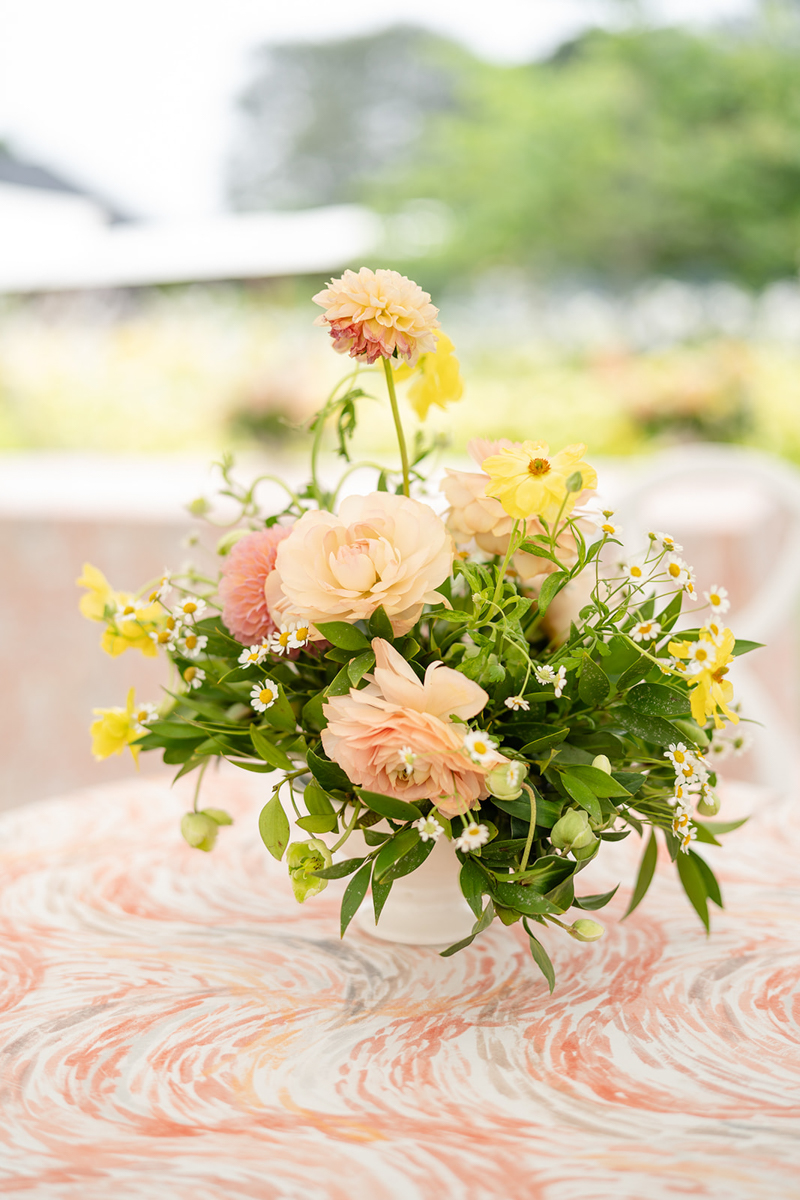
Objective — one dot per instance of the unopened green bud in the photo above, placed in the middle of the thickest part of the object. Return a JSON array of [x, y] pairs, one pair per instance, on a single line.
[[581, 853], [302, 859], [571, 831], [691, 731], [198, 507], [505, 781], [602, 763], [709, 806], [199, 830], [585, 930], [218, 814], [229, 540], [575, 482]]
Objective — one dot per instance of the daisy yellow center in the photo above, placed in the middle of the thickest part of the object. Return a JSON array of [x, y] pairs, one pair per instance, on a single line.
[[127, 610], [191, 642], [645, 628], [538, 466], [189, 674], [265, 695], [716, 598], [190, 607], [480, 748], [680, 756], [302, 633], [674, 570], [170, 622], [283, 638], [637, 572], [163, 637], [701, 654]]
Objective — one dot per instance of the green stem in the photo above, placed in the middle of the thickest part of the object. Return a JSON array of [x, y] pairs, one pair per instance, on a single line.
[[387, 370], [349, 829], [200, 775], [498, 591], [531, 827]]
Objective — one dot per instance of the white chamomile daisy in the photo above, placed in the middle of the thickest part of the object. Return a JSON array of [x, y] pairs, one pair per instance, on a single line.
[[547, 675], [194, 676], [429, 829], [191, 645], [479, 746], [472, 838], [609, 527], [190, 609], [515, 703], [683, 794], [407, 759], [668, 543], [167, 638], [646, 631], [678, 754], [129, 610], [254, 656], [681, 822], [688, 838], [717, 597], [634, 572], [263, 695], [679, 573], [289, 637], [160, 590], [712, 631], [701, 656], [143, 714]]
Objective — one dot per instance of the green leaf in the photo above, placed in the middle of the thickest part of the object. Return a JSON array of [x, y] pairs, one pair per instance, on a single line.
[[380, 894], [650, 729], [710, 882], [742, 646], [274, 828], [318, 824], [313, 717], [594, 684], [482, 923], [655, 700], [170, 731], [550, 589], [270, 753], [408, 862], [590, 903], [720, 827], [544, 742], [669, 615], [358, 667], [343, 635], [645, 876], [705, 835], [634, 673], [473, 883], [523, 899], [339, 870], [601, 783], [694, 886], [354, 893], [259, 768], [380, 626], [329, 775], [583, 795], [630, 780], [395, 848], [316, 801], [387, 806], [340, 684], [178, 753], [541, 957]]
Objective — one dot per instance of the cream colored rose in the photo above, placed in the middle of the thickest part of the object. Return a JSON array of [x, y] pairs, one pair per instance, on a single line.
[[380, 550]]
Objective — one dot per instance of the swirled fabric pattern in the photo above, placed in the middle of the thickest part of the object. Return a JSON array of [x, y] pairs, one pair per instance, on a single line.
[[173, 1024]]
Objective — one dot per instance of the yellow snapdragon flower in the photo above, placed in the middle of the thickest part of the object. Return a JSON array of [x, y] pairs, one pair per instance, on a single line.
[[116, 729], [438, 378], [102, 603], [711, 692], [529, 481]]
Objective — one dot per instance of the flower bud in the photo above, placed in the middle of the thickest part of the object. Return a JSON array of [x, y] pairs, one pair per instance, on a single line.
[[691, 731], [199, 830], [302, 859], [572, 831], [602, 763], [505, 781], [199, 507], [229, 540], [219, 815], [709, 806], [584, 930]]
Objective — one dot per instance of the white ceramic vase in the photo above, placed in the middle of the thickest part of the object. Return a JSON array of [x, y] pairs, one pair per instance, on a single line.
[[425, 908]]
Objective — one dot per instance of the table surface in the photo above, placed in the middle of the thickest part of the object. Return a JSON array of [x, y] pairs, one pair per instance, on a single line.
[[174, 1025]]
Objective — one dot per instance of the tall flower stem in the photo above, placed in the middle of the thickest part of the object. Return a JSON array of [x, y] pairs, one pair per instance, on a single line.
[[387, 370]]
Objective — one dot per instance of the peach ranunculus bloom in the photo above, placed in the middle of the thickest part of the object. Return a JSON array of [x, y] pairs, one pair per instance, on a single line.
[[246, 570], [372, 314], [475, 516], [380, 550], [396, 736]]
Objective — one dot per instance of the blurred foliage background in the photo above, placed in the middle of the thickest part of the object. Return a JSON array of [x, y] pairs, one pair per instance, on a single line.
[[612, 235]]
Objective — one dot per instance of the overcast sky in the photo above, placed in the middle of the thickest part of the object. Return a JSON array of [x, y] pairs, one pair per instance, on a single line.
[[137, 99]]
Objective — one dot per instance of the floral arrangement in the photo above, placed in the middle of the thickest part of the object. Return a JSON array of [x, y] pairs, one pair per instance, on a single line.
[[479, 663]]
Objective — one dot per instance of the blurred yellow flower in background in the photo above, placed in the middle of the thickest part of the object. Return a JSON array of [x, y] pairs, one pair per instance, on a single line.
[[529, 481], [128, 624], [711, 692], [116, 729], [438, 378]]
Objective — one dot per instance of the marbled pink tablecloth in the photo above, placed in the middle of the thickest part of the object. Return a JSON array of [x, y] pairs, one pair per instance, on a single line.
[[174, 1025]]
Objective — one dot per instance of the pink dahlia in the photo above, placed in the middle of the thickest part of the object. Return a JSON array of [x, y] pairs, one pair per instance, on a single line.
[[247, 567]]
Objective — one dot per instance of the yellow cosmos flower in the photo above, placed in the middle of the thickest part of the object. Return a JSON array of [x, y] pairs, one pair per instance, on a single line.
[[705, 670], [438, 378], [116, 729], [529, 481], [102, 603]]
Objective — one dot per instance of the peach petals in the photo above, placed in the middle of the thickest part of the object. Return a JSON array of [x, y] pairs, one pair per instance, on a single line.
[[396, 735], [375, 314]]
